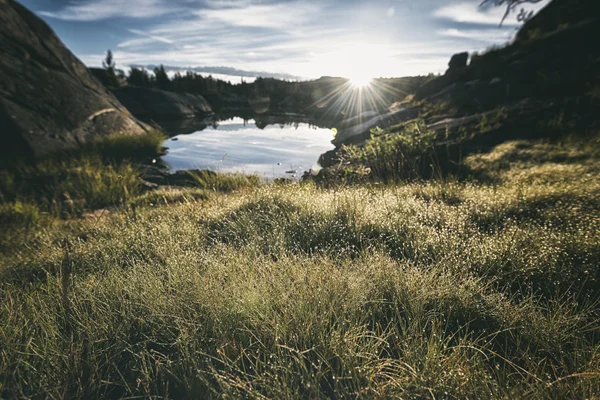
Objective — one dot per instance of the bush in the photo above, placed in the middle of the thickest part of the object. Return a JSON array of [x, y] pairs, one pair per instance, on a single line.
[[391, 157]]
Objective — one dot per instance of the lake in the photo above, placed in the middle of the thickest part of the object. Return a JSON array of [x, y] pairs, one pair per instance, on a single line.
[[284, 150]]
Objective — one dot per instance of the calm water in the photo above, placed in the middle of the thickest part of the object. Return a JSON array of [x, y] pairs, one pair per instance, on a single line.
[[236, 145]]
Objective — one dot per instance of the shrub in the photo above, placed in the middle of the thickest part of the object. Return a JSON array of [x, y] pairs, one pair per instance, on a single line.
[[391, 157]]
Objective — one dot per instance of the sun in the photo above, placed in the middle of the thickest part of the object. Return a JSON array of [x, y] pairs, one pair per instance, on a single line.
[[360, 81], [359, 67], [359, 61]]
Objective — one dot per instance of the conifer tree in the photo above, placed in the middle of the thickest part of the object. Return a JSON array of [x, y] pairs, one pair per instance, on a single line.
[[110, 67]]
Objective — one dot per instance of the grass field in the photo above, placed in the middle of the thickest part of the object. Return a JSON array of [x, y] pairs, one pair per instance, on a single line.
[[453, 288]]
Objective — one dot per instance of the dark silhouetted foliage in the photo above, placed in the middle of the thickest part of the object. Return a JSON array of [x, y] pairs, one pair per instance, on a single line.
[[110, 67], [161, 78], [512, 6], [138, 77]]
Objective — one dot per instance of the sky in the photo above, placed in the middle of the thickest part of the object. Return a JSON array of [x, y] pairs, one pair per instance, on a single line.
[[291, 39]]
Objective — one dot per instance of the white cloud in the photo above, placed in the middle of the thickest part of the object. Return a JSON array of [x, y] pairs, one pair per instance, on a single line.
[[93, 10], [138, 42], [311, 54], [493, 35], [150, 36], [470, 12], [309, 38], [278, 16], [146, 39]]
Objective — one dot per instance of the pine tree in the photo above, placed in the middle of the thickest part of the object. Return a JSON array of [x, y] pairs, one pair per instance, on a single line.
[[161, 77], [138, 77], [110, 67]]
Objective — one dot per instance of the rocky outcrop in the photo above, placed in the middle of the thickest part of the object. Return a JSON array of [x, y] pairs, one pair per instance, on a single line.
[[156, 104], [361, 130], [458, 61], [561, 63], [49, 101]]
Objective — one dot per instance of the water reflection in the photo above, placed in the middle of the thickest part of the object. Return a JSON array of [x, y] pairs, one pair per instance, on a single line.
[[271, 147]]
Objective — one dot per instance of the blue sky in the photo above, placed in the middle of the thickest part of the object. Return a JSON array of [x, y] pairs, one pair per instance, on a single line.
[[305, 38]]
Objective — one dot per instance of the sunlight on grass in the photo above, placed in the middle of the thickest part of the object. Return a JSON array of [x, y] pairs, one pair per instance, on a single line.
[[440, 288]]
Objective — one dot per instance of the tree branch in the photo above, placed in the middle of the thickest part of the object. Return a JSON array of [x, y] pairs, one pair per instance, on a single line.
[[509, 4]]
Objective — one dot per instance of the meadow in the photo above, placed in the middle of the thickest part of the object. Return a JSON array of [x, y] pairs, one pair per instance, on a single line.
[[477, 286]]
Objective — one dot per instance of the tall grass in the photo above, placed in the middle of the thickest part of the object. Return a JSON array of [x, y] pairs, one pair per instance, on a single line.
[[408, 154], [99, 174], [118, 147], [438, 289], [222, 182]]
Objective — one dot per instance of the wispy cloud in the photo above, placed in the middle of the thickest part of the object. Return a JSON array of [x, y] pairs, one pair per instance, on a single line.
[[483, 35], [470, 12], [306, 38], [93, 10], [282, 15], [137, 42], [144, 40], [246, 36]]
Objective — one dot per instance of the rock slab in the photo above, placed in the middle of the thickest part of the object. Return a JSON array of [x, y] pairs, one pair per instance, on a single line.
[[49, 101]]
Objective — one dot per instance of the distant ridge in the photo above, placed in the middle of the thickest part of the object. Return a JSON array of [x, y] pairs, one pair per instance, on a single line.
[[226, 71]]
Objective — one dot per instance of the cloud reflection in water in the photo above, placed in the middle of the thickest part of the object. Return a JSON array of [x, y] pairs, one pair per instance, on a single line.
[[233, 146]]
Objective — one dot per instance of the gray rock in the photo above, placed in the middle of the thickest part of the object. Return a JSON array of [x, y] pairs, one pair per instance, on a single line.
[[435, 85], [361, 131], [149, 103], [49, 101], [358, 119]]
